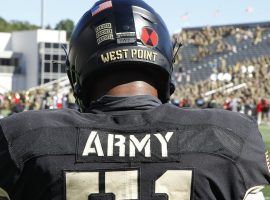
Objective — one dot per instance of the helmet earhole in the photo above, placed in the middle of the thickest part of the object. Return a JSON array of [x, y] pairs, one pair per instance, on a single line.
[[77, 90], [172, 88]]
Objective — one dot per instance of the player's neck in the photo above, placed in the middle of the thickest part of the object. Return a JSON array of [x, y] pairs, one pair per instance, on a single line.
[[133, 89]]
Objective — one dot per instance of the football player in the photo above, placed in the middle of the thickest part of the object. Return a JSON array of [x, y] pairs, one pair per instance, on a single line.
[[127, 142]]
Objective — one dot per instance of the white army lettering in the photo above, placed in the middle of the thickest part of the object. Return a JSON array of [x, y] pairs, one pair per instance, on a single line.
[[116, 141], [129, 53]]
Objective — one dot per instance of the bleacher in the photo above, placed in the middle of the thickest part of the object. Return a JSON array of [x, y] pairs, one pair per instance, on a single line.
[[201, 68]]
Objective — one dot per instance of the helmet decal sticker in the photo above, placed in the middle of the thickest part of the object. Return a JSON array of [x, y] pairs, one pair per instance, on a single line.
[[101, 7], [104, 32], [149, 37], [126, 37]]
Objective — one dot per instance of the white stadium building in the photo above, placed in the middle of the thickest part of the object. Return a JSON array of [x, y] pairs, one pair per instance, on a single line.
[[26, 58]]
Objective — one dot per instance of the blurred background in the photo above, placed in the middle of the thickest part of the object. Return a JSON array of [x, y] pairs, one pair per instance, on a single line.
[[224, 62]]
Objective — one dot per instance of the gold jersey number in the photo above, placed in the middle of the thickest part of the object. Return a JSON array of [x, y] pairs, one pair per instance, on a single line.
[[125, 184]]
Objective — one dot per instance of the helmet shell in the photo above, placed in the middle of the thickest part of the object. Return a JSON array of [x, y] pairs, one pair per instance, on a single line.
[[118, 32]]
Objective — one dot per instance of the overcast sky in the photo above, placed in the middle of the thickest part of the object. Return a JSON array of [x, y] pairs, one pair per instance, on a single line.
[[176, 13]]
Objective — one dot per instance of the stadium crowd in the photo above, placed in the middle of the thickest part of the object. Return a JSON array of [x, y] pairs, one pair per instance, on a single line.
[[209, 40], [39, 99], [242, 87], [251, 98]]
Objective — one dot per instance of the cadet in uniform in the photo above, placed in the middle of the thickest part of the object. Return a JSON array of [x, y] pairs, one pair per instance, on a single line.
[[127, 142]]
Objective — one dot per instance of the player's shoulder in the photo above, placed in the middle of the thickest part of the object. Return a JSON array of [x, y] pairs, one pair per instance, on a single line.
[[230, 134], [207, 115], [31, 120], [30, 133], [236, 122]]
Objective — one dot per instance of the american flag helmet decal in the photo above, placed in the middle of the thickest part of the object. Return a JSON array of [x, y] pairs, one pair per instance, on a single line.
[[101, 7]]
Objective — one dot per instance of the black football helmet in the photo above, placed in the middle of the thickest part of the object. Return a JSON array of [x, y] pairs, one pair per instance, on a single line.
[[114, 33]]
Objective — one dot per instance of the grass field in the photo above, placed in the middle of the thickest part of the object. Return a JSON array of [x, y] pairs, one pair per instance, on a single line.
[[265, 130]]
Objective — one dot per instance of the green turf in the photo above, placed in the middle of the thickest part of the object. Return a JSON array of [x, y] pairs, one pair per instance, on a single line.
[[265, 130]]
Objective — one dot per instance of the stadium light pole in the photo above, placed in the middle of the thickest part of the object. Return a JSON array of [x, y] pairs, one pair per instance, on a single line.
[[42, 14]]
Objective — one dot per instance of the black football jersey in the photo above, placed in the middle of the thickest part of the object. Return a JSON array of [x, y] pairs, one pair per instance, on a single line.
[[131, 149]]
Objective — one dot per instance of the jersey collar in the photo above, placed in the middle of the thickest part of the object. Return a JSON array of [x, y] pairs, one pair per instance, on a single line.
[[113, 103]]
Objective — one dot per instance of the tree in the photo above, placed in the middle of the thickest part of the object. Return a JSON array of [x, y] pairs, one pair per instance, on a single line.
[[15, 25], [67, 25], [48, 27], [3, 25], [20, 25]]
